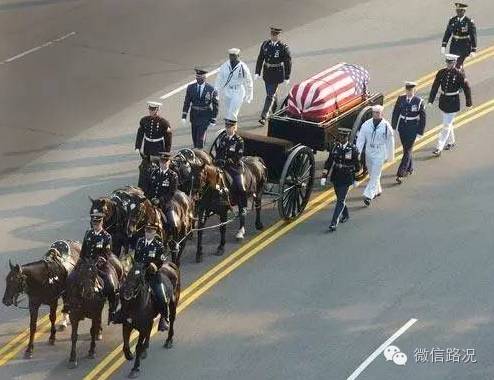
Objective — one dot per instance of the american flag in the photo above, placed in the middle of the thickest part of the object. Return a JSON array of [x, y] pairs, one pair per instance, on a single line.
[[327, 93]]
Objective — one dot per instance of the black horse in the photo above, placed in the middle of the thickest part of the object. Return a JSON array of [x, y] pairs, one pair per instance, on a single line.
[[217, 198], [139, 310], [44, 282], [116, 209], [85, 299]]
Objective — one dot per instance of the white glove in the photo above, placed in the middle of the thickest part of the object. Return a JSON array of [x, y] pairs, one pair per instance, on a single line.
[[256, 76], [184, 122], [212, 125], [419, 136], [429, 104], [323, 181], [443, 50], [138, 151], [287, 82], [473, 54], [355, 184]]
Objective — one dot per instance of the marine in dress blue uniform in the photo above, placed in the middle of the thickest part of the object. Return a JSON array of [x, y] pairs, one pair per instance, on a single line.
[[151, 252], [450, 81], [202, 100], [343, 163], [160, 187], [275, 62], [409, 120], [463, 34]]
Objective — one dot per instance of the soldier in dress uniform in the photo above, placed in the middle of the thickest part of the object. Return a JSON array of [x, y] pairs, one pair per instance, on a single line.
[[202, 100], [229, 152], [450, 80], [343, 162], [463, 34], [97, 243], [275, 62], [151, 252], [234, 83], [409, 120], [160, 188]]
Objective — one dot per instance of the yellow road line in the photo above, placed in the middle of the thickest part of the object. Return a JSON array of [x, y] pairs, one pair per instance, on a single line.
[[14, 346], [323, 200]]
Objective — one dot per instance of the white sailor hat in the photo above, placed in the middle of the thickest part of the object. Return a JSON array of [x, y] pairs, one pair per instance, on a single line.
[[410, 84], [377, 108], [234, 51], [451, 57], [230, 123], [154, 104]]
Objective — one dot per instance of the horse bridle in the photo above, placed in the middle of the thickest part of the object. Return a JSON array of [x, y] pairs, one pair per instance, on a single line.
[[140, 220], [23, 285], [137, 288]]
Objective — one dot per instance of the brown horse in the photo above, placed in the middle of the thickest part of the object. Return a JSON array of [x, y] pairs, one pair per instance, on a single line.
[[217, 197], [187, 163], [145, 212], [140, 311], [85, 299], [44, 282]]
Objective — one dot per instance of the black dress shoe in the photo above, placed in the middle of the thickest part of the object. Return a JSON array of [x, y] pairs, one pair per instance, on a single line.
[[436, 152], [410, 172], [332, 228], [367, 201], [399, 180], [262, 121], [449, 146], [344, 219]]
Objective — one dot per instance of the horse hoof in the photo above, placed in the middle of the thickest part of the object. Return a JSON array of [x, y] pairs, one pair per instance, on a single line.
[[72, 364], [134, 374], [99, 337], [51, 341], [168, 344], [90, 355], [128, 355], [220, 251], [144, 354], [259, 226], [28, 354]]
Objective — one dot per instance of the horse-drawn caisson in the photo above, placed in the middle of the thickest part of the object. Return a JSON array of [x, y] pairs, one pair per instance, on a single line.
[[124, 256]]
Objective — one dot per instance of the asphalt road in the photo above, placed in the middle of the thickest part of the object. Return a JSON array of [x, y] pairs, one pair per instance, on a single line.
[[311, 304]]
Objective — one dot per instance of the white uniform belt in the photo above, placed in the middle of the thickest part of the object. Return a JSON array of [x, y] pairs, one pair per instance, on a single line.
[[270, 65], [153, 140], [450, 93], [410, 118], [456, 37], [200, 108], [234, 86]]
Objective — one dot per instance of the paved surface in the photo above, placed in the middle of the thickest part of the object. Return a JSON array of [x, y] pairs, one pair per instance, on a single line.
[[311, 304]]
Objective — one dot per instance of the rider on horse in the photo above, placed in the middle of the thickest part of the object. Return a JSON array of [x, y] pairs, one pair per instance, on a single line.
[[229, 153], [96, 244], [160, 188], [151, 252]]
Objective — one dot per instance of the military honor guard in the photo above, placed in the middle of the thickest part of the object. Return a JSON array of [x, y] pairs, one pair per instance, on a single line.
[[450, 81], [463, 34], [343, 163], [376, 139], [154, 134], [234, 84], [202, 100], [275, 62], [409, 120], [160, 187]]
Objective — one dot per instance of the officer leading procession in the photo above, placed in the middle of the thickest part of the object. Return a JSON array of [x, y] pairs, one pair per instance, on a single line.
[[194, 174]]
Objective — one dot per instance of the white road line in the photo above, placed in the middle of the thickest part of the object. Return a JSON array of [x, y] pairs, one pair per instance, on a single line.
[[380, 349], [46, 44], [184, 86]]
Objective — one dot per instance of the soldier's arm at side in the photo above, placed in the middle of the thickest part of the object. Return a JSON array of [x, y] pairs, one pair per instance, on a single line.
[[328, 165], [390, 143], [260, 60], [249, 84], [473, 35], [422, 119], [107, 247], [468, 92], [84, 246], [288, 62], [396, 113], [215, 104], [355, 158], [435, 87], [361, 139], [447, 33], [239, 151], [168, 137], [187, 101], [139, 136]]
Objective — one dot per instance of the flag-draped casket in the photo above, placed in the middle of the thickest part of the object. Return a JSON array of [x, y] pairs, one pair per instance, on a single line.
[[329, 93]]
